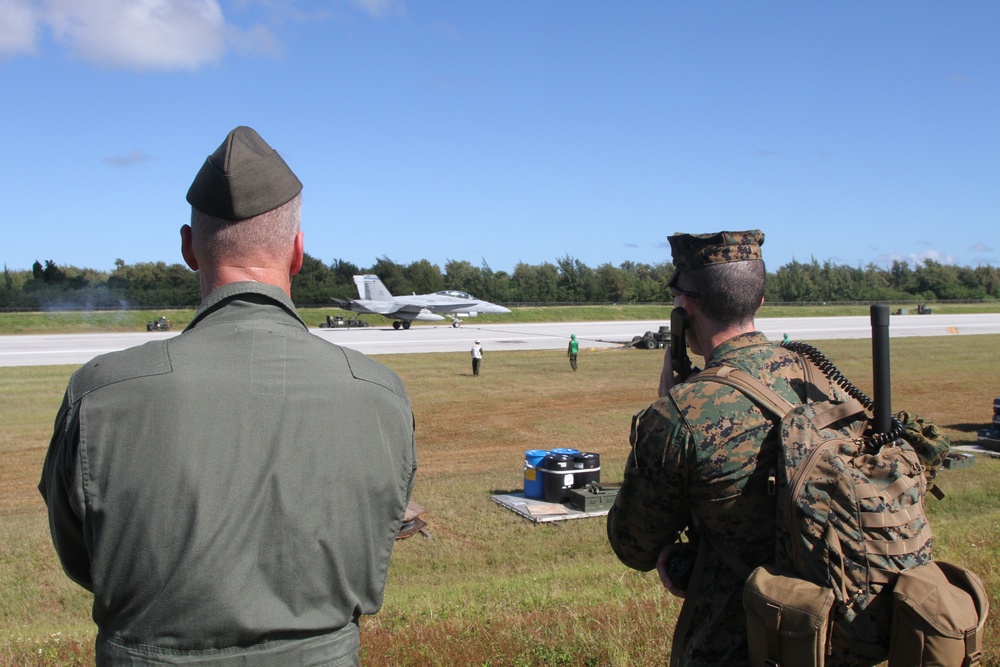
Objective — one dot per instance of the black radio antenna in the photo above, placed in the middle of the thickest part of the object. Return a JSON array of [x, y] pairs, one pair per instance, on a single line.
[[885, 428], [880, 368]]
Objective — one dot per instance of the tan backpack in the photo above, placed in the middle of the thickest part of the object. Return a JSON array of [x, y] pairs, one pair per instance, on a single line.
[[853, 581]]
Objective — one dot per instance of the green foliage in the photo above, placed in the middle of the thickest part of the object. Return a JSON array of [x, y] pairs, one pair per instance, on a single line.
[[931, 281], [568, 281], [315, 283], [463, 276], [150, 284], [424, 277]]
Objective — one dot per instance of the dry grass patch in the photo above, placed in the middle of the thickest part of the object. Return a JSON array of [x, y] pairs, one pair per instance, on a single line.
[[490, 588]]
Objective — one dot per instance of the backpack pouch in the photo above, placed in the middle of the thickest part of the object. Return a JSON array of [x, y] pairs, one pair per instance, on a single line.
[[787, 619], [939, 612]]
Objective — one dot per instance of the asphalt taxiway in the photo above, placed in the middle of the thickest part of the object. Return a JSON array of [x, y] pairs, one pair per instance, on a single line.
[[55, 349]]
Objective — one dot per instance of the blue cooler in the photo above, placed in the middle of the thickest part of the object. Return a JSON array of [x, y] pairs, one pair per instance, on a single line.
[[568, 451], [533, 487]]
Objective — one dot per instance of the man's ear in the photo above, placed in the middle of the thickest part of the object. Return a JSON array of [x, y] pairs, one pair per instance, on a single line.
[[187, 247], [297, 256]]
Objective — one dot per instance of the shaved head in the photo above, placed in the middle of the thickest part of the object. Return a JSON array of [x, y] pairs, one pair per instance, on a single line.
[[264, 238]]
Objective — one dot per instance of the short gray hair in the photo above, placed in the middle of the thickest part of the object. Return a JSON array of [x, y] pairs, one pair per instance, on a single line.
[[271, 233], [728, 293]]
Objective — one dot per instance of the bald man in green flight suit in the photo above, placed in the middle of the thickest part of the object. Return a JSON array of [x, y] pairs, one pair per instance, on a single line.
[[231, 495]]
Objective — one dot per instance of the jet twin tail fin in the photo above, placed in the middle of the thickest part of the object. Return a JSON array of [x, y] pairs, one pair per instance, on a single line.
[[370, 288]]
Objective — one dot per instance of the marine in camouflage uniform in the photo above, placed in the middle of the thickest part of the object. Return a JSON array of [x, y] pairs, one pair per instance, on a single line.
[[700, 459], [699, 462], [702, 454]]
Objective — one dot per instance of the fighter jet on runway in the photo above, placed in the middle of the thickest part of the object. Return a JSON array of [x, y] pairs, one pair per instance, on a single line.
[[375, 298]]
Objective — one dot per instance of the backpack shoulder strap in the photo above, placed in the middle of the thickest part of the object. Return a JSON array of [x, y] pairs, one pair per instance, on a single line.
[[818, 386], [770, 400], [755, 390]]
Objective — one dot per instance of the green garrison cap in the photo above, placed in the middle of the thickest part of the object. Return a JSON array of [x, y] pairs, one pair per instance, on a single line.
[[244, 177], [689, 251]]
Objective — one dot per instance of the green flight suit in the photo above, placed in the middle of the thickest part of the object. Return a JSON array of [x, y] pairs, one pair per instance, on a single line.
[[231, 495], [700, 457]]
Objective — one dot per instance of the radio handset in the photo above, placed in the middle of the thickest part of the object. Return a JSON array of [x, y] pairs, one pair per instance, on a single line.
[[679, 359]]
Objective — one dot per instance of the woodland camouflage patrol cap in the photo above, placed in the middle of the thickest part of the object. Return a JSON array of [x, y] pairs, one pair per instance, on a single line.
[[244, 177], [690, 251]]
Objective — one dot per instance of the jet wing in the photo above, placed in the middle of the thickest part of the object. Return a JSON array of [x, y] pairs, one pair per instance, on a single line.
[[411, 312]]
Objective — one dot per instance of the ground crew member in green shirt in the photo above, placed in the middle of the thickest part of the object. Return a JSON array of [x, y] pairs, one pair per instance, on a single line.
[[231, 495], [572, 350]]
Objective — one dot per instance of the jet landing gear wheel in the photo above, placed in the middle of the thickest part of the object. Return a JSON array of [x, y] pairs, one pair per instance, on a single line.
[[406, 324], [395, 324], [456, 324]]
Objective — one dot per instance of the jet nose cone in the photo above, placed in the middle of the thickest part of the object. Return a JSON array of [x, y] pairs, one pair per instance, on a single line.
[[499, 310]]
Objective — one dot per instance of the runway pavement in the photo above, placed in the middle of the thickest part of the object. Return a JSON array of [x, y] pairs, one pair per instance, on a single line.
[[54, 349]]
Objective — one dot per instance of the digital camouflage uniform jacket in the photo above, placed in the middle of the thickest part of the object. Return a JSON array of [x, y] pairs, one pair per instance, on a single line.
[[700, 458], [231, 495]]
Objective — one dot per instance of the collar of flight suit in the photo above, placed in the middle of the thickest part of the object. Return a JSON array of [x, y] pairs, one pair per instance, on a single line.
[[222, 295]]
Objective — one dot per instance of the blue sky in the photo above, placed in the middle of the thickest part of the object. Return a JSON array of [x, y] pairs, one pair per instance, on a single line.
[[509, 131]]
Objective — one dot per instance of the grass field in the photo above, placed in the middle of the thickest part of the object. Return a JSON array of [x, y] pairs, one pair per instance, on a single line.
[[490, 588]]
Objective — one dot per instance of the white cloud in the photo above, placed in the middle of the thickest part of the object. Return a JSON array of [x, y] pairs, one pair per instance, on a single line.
[[919, 258], [254, 41], [381, 8], [887, 259], [18, 27], [140, 34], [981, 247], [135, 157], [447, 30], [155, 34], [134, 34]]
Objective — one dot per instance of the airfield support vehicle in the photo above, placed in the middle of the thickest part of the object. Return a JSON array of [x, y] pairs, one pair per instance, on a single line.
[[159, 324], [338, 322], [652, 340]]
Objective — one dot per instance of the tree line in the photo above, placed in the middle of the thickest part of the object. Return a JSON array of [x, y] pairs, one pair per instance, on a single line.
[[159, 285]]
